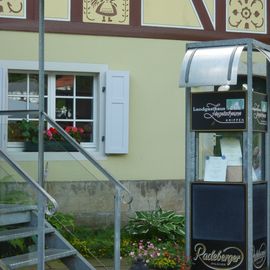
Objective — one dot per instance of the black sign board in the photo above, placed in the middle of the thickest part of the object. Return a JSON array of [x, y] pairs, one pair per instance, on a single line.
[[260, 253], [217, 255], [259, 112], [218, 111]]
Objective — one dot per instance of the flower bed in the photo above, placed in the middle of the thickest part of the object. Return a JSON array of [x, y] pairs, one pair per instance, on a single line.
[[160, 255]]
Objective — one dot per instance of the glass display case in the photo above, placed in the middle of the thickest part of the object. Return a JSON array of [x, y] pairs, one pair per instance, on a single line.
[[227, 160]]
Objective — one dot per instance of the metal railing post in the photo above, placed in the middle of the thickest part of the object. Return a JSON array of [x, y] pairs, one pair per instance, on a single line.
[[41, 202], [117, 227]]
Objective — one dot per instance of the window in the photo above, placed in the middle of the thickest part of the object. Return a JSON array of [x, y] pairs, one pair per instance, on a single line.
[[69, 99], [74, 96], [74, 103]]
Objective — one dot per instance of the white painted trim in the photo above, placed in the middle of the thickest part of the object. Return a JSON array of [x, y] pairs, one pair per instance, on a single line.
[[3, 106], [213, 20]]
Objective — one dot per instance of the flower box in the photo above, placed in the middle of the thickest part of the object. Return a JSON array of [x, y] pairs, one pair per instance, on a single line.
[[50, 146]]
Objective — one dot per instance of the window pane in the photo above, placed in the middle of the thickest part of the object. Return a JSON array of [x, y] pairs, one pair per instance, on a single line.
[[258, 160], [64, 85], [84, 109], [17, 84], [19, 131], [87, 127], [14, 132], [33, 103], [65, 124], [34, 85], [17, 103], [64, 108], [46, 105], [84, 86]]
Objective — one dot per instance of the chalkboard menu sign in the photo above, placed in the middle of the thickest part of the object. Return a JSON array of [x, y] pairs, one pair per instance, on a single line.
[[259, 112], [218, 111]]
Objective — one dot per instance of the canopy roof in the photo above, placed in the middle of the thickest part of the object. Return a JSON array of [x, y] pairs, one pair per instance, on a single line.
[[205, 65]]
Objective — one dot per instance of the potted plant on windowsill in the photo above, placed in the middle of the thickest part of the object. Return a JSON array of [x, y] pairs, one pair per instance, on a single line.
[[53, 141], [29, 132]]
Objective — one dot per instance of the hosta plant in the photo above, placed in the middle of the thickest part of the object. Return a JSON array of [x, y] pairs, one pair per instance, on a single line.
[[150, 225]]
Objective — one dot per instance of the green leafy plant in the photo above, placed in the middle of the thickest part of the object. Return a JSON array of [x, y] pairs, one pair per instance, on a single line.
[[64, 223], [29, 130], [87, 241], [16, 246], [99, 241], [156, 224]]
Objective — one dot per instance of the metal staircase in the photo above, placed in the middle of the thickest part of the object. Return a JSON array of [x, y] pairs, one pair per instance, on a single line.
[[28, 221], [56, 247]]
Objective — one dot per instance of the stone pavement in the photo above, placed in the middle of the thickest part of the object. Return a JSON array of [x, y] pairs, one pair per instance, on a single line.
[[57, 265]]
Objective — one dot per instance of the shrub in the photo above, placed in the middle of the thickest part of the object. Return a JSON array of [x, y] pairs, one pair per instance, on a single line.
[[156, 224], [163, 237], [87, 241], [64, 223]]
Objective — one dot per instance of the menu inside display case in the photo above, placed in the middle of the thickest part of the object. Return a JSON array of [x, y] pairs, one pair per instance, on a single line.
[[220, 157]]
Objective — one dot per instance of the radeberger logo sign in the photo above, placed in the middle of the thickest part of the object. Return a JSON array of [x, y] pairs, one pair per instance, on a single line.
[[259, 256], [227, 259]]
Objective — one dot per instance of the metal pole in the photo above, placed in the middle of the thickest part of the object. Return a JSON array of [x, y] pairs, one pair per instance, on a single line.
[[248, 136], [117, 225], [267, 159], [188, 174], [41, 202]]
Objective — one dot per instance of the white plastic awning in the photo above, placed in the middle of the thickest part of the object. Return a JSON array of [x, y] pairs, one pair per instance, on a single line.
[[265, 53], [211, 66]]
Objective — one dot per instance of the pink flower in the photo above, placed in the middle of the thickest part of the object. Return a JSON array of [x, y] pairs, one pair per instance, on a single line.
[[74, 129], [49, 133]]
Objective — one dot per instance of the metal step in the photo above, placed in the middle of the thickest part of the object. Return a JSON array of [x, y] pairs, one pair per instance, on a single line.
[[29, 259], [58, 248], [78, 262], [11, 208], [15, 214], [21, 233]]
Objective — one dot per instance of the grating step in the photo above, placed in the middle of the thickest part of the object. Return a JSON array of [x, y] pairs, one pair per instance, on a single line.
[[15, 214], [14, 208], [21, 233], [29, 259]]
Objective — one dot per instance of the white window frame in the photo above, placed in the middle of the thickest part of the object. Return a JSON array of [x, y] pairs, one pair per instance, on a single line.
[[99, 70]]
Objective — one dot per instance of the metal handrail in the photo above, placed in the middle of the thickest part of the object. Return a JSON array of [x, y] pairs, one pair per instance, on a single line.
[[88, 156], [49, 211], [19, 112]]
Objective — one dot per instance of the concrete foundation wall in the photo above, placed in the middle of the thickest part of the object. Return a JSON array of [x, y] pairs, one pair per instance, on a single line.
[[92, 203]]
